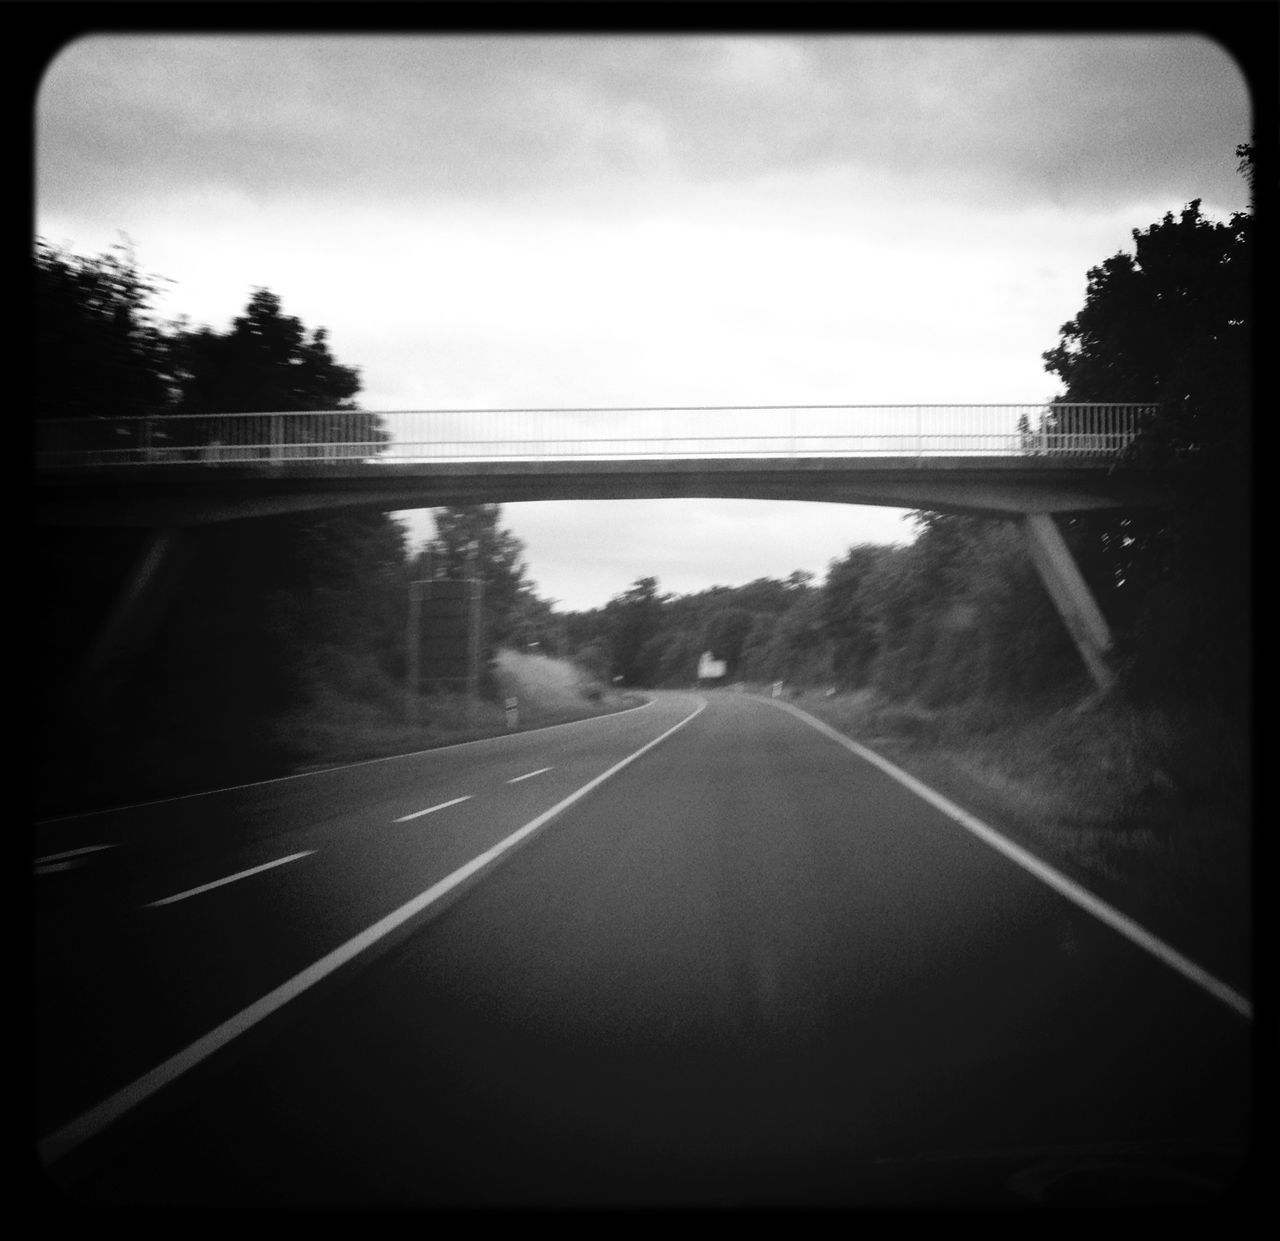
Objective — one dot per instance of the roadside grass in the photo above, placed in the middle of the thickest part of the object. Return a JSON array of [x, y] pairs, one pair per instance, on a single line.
[[334, 728], [1150, 807], [97, 764], [550, 690]]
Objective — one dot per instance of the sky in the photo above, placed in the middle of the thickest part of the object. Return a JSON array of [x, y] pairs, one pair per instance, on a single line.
[[524, 221]]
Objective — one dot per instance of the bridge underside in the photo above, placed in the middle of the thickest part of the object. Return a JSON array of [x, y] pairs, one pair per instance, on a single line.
[[168, 499], [160, 496]]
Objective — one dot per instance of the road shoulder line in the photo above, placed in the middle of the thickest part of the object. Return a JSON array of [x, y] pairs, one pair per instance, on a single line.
[[1074, 892]]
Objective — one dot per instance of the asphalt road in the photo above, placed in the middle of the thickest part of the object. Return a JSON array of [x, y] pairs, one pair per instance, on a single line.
[[726, 962]]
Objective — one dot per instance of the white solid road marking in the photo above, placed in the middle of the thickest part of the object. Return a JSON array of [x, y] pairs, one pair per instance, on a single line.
[[1029, 862], [417, 814], [92, 1122], [529, 775], [69, 853], [217, 883]]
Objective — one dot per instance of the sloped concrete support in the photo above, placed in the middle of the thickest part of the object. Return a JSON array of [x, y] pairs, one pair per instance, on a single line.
[[1070, 593], [135, 616]]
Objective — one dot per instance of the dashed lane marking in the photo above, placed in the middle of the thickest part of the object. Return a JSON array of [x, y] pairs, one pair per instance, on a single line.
[[417, 814], [60, 861], [528, 775], [218, 883]]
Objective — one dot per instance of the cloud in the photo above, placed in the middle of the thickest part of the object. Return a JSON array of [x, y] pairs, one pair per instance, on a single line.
[[601, 120], [349, 118], [785, 292]]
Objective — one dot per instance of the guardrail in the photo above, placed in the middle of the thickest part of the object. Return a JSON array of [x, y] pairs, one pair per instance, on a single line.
[[427, 436]]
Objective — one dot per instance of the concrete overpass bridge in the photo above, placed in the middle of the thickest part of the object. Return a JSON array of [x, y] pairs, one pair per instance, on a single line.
[[1025, 462]]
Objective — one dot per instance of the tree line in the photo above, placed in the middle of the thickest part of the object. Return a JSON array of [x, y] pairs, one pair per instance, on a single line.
[[273, 618], [956, 615]]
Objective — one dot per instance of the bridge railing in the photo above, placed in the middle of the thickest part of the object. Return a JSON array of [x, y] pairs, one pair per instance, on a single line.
[[410, 436]]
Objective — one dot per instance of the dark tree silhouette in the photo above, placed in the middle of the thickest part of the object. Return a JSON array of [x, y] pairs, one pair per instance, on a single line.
[[100, 354], [99, 351], [269, 363], [266, 362], [848, 606], [632, 619], [1173, 322], [275, 619], [1169, 323]]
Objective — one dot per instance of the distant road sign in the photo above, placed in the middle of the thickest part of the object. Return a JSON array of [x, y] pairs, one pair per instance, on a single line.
[[448, 631]]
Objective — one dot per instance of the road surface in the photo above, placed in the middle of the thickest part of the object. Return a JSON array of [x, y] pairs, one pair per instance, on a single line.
[[694, 953]]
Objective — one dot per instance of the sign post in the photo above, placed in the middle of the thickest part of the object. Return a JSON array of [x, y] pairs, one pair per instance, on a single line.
[[474, 587], [413, 643]]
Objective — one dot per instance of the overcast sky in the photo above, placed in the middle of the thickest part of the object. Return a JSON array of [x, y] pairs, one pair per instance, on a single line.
[[512, 222]]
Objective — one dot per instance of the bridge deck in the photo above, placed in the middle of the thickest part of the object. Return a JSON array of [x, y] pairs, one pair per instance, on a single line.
[[178, 495], [191, 469]]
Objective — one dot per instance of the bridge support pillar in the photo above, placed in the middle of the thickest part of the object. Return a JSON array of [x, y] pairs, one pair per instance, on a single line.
[[1071, 596], [136, 613]]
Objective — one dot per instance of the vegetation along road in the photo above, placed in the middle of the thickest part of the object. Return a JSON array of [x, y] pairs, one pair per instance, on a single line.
[[697, 952]]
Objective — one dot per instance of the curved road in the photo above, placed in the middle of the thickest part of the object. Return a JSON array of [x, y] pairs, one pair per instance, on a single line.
[[693, 953]]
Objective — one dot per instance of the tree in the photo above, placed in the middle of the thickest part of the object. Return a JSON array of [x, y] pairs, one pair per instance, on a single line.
[[633, 618], [279, 615], [900, 604], [533, 624], [726, 634], [801, 650], [100, 354], [758, 651], [99, 350], [595, 659], [277, 619], [269, 363], [465, 530], [1169, 323], [848, 612], [1173, 323]]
